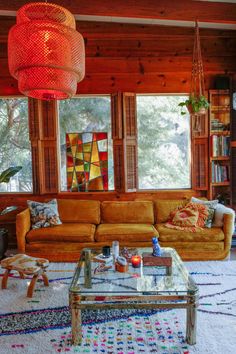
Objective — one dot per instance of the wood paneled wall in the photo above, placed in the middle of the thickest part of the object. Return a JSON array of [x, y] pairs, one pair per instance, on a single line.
[[131, 58], [139, 58]]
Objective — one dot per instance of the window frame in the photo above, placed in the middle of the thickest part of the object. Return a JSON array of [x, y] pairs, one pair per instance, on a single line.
[[190, 148], [66, 193], [114, 192], [21, 194]]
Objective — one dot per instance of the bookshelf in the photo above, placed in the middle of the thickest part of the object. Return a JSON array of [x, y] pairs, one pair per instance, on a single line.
[[219, 144]]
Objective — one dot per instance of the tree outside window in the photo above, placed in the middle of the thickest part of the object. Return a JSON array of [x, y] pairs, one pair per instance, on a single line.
[[15, 149], [163, 143]]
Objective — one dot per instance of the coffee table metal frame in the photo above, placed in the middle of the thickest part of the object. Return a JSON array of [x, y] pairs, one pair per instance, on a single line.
[[79, 301]]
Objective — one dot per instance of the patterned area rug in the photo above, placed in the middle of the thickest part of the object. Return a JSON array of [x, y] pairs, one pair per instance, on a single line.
[[42, 324]]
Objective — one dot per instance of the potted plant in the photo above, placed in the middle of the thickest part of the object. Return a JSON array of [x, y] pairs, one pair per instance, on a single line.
[[6, 175], [195, 105]]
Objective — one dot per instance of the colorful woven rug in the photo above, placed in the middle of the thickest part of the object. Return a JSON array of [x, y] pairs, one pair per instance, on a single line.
[[42, 324]]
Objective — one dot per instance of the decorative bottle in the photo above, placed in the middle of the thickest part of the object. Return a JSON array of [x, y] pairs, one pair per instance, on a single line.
[[157, 252]]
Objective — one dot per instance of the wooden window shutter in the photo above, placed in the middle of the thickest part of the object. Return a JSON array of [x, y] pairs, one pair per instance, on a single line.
[[43, 136], [200, 156], [130, 138], [34, 133], [118, 142], [124, 134]]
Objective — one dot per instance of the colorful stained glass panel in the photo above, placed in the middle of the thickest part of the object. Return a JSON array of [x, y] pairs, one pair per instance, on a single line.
[[102, 145], [88, 171]]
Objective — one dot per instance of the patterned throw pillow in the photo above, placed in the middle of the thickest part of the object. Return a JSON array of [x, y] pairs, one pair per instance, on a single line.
[[44, 214], [211, 204], [189, 218]]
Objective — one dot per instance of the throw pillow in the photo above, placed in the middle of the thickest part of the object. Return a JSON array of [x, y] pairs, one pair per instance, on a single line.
[[219, 215], [189, 218], [44, 214], [211, 204], [209, 220]]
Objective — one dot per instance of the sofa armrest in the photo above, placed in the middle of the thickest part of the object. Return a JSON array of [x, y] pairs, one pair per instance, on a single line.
[[228, 228], [22, 227]]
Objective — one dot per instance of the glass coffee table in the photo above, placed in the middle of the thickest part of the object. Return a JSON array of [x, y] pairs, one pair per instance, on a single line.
[[145, 287]]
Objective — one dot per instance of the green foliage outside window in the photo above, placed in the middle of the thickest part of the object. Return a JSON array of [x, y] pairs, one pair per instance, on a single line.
[[14, 144], [163, 143]]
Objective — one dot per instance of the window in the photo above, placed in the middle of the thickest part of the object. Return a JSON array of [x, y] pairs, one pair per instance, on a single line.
[[85, 114], [15, 149], [163, 143]]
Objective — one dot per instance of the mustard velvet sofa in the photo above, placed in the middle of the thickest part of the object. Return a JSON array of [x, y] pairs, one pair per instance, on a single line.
[[90, 223]]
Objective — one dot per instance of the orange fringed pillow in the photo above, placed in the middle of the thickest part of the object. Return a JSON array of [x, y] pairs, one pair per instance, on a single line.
[[189, 218]]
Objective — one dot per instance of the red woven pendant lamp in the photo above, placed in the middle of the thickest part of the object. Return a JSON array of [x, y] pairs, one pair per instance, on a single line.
[[45, 52]]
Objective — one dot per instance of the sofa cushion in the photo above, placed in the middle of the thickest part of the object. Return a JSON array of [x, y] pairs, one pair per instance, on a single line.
[[163, 208], [133, 212], [68, 232], [43, 214], [81, 211], [125, 232], [201, 235]]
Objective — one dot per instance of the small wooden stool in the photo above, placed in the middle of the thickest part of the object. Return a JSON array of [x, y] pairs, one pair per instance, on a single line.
[[25, 265]]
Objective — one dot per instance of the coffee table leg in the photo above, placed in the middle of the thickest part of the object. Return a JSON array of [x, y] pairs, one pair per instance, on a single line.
[[192, 318], [76, 323]]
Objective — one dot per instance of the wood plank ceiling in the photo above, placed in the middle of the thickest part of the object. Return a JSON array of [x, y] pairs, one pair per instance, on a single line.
[[183, 10], [140, 57]]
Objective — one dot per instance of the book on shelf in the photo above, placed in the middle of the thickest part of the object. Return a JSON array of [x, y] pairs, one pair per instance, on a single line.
[[218, 126], [220, 145], [220, 173]]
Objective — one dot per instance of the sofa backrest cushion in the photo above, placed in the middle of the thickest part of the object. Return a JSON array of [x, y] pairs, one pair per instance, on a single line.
[[138, 212], [81, 211], [163, 208]]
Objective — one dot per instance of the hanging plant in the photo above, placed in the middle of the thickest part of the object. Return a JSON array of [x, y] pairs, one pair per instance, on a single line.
[[197, 104]]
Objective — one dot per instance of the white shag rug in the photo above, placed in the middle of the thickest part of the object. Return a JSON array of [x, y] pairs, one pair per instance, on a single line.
[[42, 324]]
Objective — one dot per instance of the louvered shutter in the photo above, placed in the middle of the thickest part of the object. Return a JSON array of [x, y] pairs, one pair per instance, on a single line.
[[124, 134], [200, 156], [43, 136]]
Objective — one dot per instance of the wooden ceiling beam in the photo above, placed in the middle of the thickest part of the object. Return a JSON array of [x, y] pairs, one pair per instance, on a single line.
[[128, 31], [180, 10]]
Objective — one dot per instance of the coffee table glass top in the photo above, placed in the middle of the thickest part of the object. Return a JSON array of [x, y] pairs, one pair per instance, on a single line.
[[146, 280]]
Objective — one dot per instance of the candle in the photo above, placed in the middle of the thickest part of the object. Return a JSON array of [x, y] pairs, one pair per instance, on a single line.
[[136, 261]]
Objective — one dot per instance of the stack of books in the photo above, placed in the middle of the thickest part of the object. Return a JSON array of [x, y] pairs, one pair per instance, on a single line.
[[220, 145], [217, 125], [220, 173]]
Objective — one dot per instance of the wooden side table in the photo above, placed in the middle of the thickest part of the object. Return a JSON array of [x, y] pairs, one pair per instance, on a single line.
[[25, 265]]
